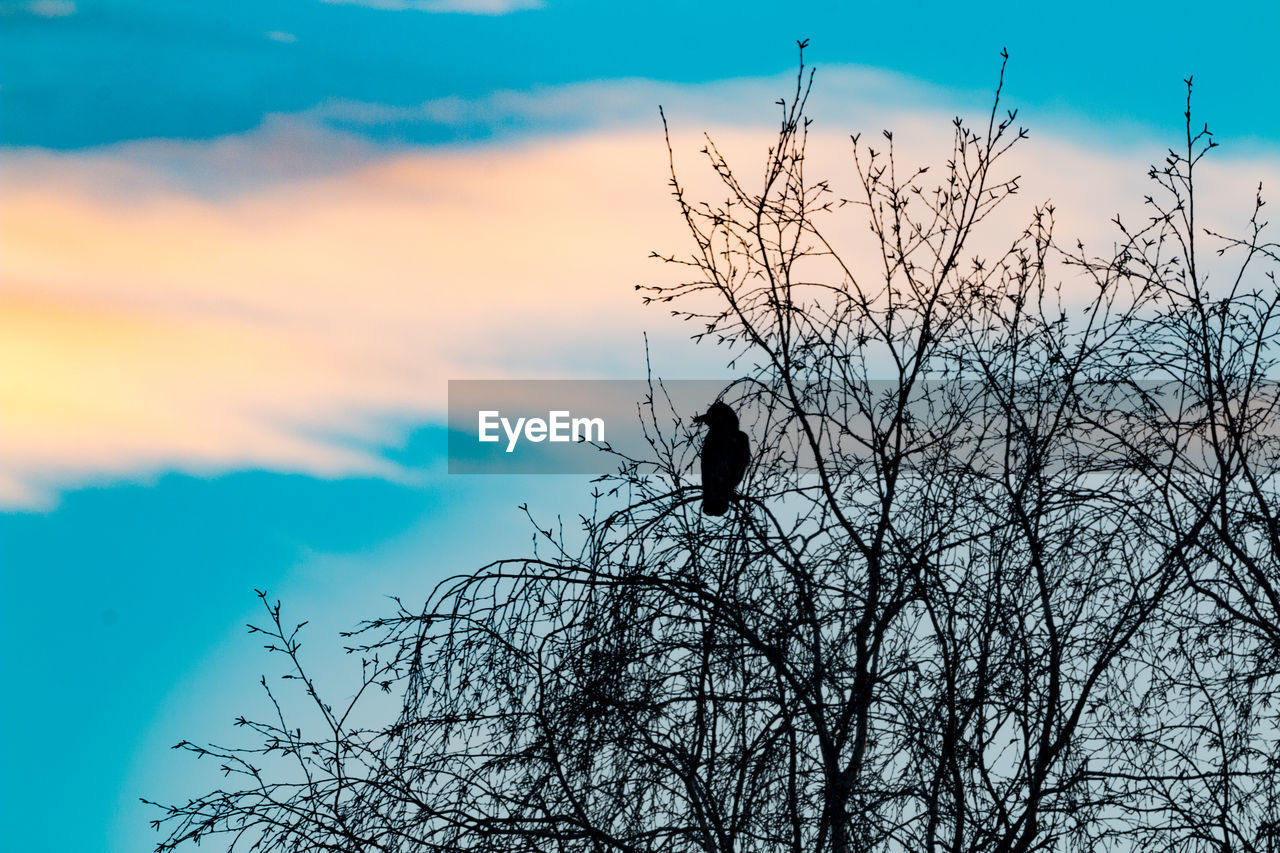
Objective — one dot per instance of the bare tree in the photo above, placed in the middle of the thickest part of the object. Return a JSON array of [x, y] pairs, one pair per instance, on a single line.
[[1002, 576], [1199, 735]]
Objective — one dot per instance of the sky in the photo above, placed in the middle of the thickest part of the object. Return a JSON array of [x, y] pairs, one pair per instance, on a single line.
[[245, 245]]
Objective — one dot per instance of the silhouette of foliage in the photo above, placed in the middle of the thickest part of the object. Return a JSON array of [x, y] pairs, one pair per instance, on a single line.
[[1003, 575]]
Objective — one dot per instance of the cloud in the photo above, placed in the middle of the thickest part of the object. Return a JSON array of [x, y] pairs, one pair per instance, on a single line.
[[465, 7], [282, 37], [292, 298], [40, 8], [52, 8], [844, 94], [294, 327]]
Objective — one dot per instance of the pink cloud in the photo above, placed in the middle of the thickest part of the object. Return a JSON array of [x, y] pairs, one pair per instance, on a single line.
[[153, 328], [280, 299]]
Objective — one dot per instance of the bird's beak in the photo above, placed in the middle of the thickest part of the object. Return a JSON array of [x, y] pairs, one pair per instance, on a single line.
[[700, 419]]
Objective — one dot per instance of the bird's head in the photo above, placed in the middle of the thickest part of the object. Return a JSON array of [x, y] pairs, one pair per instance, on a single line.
[[718, 416]]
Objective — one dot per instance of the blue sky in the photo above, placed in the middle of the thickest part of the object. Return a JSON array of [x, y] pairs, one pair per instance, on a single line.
[[121, 70], [218, 389]]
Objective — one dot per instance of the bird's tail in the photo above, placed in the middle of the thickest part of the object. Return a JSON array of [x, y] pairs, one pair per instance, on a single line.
[[715, 504]]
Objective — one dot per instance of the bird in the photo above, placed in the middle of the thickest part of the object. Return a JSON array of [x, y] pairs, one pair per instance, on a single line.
[[726, 451]]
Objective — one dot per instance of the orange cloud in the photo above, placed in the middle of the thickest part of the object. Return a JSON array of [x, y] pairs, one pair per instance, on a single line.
[[153, 328], [157, 312]]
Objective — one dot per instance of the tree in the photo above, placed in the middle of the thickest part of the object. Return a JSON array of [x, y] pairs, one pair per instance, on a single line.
[[1002, 577]]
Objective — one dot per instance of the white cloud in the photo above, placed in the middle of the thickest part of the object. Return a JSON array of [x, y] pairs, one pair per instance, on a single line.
[[282, 37], [465, 7], [40, 8], [52, 8]]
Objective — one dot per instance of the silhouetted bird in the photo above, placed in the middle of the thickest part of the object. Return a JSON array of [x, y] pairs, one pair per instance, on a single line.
[[725, 454]]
